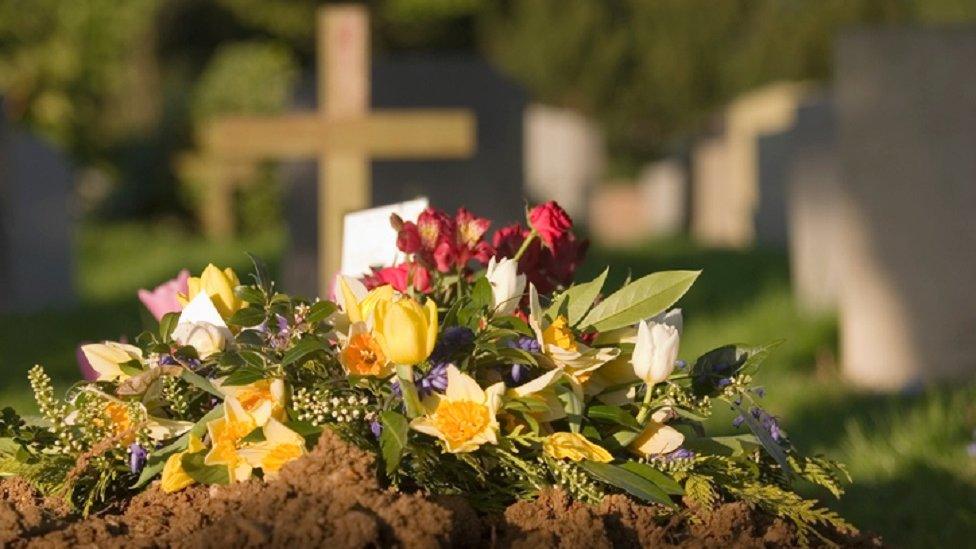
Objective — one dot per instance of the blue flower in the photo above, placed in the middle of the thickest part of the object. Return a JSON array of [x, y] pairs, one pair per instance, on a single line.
[[434, 381], [452, 340], [518, 373], [680, 453], [376, 428], [527, 344], [137, 457]]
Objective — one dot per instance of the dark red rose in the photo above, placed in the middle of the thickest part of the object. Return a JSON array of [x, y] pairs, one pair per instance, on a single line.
[[508, 240], [408, 238], [550, 221]]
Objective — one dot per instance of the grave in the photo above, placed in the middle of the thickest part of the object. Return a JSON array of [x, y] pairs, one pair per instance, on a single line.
[[813, 208], [342, 133], [489, 182], [36, 186], [727, 197], [907, 125], [565, 157], [663, 187]]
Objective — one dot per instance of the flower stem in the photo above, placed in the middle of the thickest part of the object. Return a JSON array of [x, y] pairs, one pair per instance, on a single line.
[[525, 245], [645, 406], [410, 399]]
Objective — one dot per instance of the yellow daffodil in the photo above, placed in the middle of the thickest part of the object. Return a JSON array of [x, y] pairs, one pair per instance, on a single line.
[[362, 355], [225, 436], [657, 438], [280, 446], [262, 400], [174, 477], [219, 285], [405, 329], [464, 417], [560, 347], [542, 388], [106, 358], [575, 447]]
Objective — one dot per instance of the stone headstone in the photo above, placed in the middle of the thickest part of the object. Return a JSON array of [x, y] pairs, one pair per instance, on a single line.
[[907, 127], [490, 183], [709, 196], [813, 208], [617, 214], [729, 219], [663, 187], [36, 264], [565, 157]]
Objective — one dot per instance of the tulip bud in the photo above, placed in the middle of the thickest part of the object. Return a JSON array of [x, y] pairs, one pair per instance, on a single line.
[[655, 352], [206, 338], [507, 286], [219, 285], [406, 330]]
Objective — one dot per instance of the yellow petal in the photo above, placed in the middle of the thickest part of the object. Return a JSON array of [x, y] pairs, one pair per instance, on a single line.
[[174, 478], [657, 439], [431, 313], [575, 447]]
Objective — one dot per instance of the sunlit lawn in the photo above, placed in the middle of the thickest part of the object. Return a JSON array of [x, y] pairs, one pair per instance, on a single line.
[[914, 482]]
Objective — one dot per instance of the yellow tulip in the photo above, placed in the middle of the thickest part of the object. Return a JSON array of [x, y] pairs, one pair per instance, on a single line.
[[174, 478], [405, 329], [219, 285], [575, 447]]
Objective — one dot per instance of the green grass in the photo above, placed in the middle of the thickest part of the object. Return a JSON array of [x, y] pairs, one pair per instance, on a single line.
[[914, 482]]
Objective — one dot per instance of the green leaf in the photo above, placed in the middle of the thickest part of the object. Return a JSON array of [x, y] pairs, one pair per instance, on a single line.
[[613, 414], [252, 295], [573, 406], [252, 358], [661, 479], [204, 474], [481, 294], [302, 349], [409, 391], [200, 383], [249, 316], [733, 445], [320, 311], [512, 322], [256, 435], [627, 481], [641, 299], [132, 367], [167, 324], [579, 298], [393, 439], [243, 376], [261, 273], [758, 355], [622, 439]]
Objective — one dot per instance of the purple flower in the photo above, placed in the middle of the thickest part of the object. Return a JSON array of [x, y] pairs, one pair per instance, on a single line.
[[376, 428], [724, 382], [452, 340], [681, 364], [137, 457], [680, 453], [433, 381], [760, 392], [738, 421], [528, 344], [519, 371]]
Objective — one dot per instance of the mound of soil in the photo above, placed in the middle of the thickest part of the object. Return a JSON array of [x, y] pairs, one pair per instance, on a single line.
[[331, 498]]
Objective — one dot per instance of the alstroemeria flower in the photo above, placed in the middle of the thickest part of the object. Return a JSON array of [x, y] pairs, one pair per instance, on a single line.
[[574, 447], [164, 298], [263, 400], [657, 438], [464, 417]]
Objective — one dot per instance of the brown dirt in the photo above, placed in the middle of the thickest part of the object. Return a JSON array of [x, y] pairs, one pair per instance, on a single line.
[[332, 499]]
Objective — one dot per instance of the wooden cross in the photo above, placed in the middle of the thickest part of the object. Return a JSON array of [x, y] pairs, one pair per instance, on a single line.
[[343, 134]]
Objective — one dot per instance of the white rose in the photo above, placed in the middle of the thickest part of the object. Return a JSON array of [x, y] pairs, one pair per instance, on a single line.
[[507, 286], [206, 338]]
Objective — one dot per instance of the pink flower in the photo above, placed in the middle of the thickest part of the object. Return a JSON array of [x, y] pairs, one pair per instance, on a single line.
[[399, 277], [408, 238], [550, 221], [163, 299]]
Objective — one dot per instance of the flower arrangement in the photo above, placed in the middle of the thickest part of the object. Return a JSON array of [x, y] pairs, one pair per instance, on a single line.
[[473, 367]]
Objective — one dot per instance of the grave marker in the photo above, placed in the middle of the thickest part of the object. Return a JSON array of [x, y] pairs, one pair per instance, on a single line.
[[342, 133]]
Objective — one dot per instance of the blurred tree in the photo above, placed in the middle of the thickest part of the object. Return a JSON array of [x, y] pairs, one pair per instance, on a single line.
[[652, 70]]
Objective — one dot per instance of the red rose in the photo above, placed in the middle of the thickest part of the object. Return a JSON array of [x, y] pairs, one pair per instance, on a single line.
[[550, 221], [508, 240], [408, 238]]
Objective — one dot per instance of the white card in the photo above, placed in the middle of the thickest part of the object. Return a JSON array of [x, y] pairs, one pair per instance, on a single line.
[[369, 240]]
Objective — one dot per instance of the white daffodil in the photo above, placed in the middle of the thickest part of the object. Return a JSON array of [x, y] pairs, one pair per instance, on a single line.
[[263, 400], [507, 286], [106, 359], [464, 417], [280, 445]]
